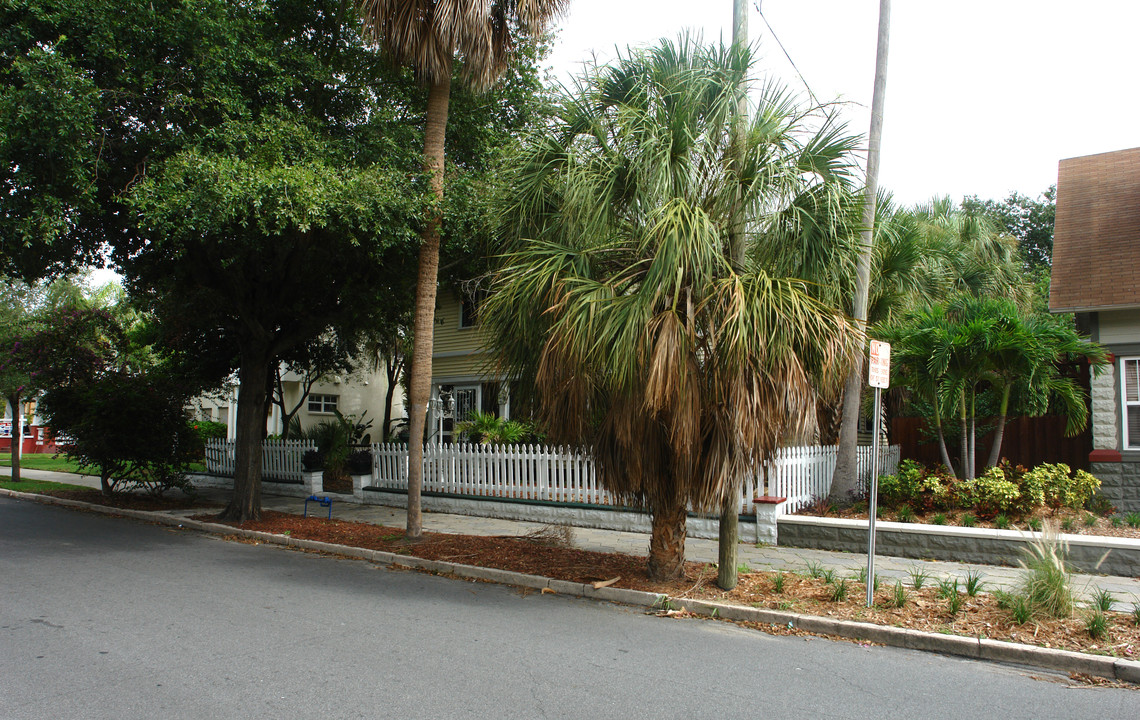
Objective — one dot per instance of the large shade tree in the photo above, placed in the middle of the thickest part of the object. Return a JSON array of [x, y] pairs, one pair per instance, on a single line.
[[618, 307], [432, 36]]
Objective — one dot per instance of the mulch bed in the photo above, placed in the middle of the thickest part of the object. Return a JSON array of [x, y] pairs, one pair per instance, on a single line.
[[979, 616]]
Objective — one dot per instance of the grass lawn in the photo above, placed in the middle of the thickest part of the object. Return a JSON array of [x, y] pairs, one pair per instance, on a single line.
[[38, 486], [30, 461], [41, 462]]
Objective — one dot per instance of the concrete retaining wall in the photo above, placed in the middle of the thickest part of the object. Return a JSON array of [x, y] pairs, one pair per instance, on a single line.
[[1105, 555]]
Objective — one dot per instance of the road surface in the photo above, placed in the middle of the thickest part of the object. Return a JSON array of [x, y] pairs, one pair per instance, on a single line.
[[113, 618]]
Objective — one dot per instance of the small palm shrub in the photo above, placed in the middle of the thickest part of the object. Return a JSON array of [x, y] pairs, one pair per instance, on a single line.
[[967, 520], [1021, 609], [1001, 522], [918, 577], [1103, 600], [1096, 624], [938, 519], [973, 582], [899, 595], [1132, 519], [838, 592], [904, 514]]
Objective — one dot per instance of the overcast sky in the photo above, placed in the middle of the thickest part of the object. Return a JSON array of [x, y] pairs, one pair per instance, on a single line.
[[983, 96]]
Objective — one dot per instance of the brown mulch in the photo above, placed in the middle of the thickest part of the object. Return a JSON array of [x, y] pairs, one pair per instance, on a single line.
[[979, 616], [133, 501]]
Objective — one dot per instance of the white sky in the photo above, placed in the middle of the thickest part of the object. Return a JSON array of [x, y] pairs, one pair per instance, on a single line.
[[983, 96]]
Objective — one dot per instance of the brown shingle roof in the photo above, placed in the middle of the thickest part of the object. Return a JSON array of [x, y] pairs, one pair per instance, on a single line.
[[1096, 240]]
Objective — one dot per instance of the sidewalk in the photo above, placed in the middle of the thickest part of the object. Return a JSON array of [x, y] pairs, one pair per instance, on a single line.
[[768, 558]]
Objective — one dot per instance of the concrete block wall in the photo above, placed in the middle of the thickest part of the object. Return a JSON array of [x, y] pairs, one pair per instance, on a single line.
[[1120, 483]]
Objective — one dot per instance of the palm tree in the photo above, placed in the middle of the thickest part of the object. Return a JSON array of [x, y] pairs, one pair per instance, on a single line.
[[429, 35], [618, 306], [1024, 369], [929, 255]]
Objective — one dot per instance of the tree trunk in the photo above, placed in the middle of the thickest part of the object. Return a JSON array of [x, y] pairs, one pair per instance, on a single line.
[[419, 384], [728, 539], [942, 444], [105, 481], [729, 534], [246, 502], [844, 481], [967, 470], [973, 436], [17, 435], [388, 397], [667, 543], [999, 431]]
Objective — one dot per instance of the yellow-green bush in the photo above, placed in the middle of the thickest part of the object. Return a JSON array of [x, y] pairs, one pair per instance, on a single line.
[[989, 494]]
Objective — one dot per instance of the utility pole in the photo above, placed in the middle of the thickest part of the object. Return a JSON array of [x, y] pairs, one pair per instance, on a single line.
[[729, 534], [844, 479]]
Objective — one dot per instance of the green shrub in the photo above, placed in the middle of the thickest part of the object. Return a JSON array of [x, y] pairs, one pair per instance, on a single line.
[[1056, 486], [989, 494]]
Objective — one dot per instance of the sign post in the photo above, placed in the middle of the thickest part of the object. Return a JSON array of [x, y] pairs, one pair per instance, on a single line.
[[878, 377]]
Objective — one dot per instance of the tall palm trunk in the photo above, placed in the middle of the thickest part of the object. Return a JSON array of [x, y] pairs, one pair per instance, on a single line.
[[729, 526], [250, 432], [667, 542], [942, 443], [419, 384], [845, 480], [967, 468], [999, 431]]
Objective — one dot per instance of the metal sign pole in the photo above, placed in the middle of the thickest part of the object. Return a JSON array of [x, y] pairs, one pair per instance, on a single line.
[[878, 377], [872, 505]]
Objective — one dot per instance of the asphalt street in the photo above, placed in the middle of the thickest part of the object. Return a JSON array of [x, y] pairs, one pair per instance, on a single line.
[[113, 618]]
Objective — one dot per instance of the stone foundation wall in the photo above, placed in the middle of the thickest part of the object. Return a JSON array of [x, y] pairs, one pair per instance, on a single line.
[[1120, 483]]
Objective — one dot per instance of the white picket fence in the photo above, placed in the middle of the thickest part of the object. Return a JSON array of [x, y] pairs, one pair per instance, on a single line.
[[802, 474], [280, 459], [534, 472]]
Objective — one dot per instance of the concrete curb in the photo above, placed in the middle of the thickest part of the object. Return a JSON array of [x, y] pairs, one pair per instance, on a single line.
[[969, 647]]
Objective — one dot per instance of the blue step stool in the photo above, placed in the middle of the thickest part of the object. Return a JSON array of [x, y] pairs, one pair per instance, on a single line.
[[325, 502]]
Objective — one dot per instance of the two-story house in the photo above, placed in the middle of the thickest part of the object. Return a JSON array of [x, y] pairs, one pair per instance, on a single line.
[[1096, 274]]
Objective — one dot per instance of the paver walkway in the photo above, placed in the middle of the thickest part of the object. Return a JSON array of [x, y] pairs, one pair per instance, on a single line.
[[1126, 589]]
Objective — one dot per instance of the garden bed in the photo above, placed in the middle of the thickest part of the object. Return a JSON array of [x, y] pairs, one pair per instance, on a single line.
[[933, 608]]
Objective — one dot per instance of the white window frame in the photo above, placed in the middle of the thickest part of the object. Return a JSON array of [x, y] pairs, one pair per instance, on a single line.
[[1128, 364], [323, 403]]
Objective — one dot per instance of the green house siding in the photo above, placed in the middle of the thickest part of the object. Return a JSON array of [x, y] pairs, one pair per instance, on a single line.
[[455, 350]]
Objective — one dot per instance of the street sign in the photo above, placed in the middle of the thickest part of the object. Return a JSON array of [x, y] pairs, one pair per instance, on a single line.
[[879, 370]]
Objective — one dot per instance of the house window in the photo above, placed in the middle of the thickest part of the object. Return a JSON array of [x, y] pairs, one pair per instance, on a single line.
[[322, 403], [1130, 388], [469, 310]]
